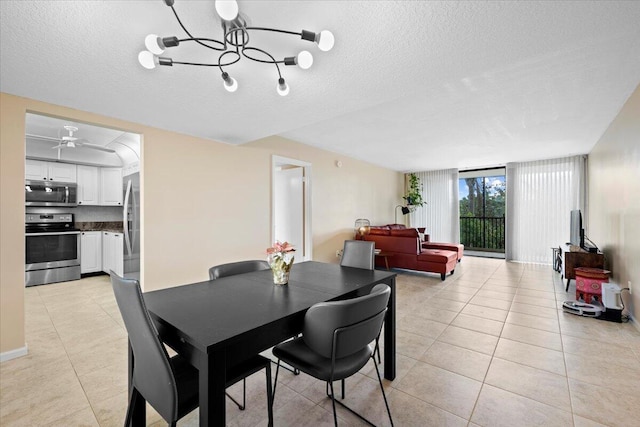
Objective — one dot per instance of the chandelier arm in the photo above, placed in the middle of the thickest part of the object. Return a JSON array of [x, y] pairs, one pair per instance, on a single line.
[[275, 30], [231, 37], [220, 65], [195, 63], [264, 61], [217, 64], [273, 60], [196, 39]]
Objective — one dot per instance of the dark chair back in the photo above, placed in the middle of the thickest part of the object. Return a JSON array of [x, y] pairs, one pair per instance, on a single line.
[[358, 254], [233, 268], [152, 373], [341, 328]]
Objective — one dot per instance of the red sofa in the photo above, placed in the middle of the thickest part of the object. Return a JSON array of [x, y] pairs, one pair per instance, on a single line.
[[404, 250]]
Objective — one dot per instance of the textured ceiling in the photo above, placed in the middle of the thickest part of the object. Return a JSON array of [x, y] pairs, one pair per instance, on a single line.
[[410, 85]]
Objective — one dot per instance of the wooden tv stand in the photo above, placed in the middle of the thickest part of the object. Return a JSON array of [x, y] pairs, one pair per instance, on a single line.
[[572, 260]]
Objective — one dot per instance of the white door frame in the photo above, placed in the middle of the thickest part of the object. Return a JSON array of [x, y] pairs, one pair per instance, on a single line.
[[277, 162]]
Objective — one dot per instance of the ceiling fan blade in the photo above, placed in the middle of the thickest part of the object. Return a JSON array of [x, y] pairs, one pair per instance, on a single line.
[[59, 146], [45, 138], [96, 147]]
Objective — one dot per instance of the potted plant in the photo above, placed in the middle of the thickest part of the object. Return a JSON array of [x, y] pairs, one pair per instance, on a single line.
[[413, 197]]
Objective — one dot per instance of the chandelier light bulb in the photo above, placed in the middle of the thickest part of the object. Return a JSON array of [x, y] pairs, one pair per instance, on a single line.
[[153, 44], [282, 87], [227, 9], [304, 60], [230, 84], [325, 40], [147, 59]]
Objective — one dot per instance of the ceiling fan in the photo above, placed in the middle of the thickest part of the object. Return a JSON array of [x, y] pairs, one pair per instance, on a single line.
[[70, 141]]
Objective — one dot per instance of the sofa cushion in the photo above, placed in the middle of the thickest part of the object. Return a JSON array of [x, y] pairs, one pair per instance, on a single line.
[[379, 231], [404, 232], [446, 246], [396, 226], [437, 255]]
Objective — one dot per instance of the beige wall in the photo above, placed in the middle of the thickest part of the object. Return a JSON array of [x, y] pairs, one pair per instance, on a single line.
[[203, 202], [11, 233], [614, 198]]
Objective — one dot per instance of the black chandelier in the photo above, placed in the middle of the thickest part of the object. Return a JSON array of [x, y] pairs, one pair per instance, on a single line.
[[233, 47]]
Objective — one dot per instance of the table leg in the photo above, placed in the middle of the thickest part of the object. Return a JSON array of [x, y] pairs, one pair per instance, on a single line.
[[390, 335], [212, 379], [386, 262], [567, 289], [139, 409]]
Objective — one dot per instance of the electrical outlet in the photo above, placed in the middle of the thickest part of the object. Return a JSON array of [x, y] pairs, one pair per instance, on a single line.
[[629, 286]]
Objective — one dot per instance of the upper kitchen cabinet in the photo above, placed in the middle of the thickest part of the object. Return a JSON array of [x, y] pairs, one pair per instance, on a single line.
[[111, 186], [88, 185], [38, 170]]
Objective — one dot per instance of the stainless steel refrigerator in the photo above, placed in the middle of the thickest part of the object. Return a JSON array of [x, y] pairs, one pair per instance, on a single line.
[[131, 221]]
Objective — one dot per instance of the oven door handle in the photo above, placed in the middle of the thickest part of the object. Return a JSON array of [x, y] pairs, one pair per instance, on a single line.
[[55, 233]]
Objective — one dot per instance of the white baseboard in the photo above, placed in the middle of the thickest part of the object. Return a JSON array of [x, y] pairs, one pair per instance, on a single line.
[[12, 354]]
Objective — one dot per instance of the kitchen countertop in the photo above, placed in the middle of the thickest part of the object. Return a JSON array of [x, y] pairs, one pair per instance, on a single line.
[[111, 226]]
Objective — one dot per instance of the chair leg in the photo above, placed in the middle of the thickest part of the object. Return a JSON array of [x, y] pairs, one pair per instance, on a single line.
[[238, 404], [333, 403], [133, 398], [270, 392], [383, 393], [377, 349], [275, 382], [342, 388]]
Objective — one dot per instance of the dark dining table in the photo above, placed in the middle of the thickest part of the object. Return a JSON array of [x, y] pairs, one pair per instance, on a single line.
[[218, 324]]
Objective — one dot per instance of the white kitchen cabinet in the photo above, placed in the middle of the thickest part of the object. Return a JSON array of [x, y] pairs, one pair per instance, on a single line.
[[111, 186], [39, 170], [90, 251], [88, 185], [112, 252]]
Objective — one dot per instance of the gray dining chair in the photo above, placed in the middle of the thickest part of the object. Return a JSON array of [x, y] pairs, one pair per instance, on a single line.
[[335, 342], [240, 267], [358, 254], [169, 384], [231, 269]]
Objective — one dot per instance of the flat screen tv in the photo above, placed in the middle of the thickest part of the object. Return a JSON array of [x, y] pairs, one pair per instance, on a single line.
[[577, 234]]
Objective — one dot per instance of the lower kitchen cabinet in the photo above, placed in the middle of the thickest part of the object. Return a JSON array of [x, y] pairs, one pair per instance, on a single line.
[[112, 252], [90, 251]]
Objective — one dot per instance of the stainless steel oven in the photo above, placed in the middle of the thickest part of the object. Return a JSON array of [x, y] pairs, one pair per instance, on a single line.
[[52, 249]]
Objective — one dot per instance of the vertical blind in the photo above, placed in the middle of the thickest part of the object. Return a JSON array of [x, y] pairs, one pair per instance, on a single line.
[[540, 197], [441, 214]]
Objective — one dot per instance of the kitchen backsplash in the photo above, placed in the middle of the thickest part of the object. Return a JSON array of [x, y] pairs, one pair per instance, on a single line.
[[85, 213]]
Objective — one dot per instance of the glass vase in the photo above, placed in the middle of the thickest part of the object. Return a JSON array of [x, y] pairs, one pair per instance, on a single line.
[[280, 264]]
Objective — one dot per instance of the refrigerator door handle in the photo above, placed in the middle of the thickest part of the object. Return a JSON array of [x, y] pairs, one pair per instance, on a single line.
[[125, 219]]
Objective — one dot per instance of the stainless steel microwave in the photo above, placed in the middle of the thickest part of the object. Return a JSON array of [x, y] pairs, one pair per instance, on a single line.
[[48, 193]]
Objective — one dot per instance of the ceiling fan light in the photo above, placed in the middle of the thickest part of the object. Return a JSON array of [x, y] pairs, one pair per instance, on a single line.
[[282, 87], [325, 40], [71, 144], [147, 59], [227, 9], [154, 44], [230, 84], [304, 60]]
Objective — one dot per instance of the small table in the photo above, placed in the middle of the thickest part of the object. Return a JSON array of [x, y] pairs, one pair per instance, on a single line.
[[386, 256]]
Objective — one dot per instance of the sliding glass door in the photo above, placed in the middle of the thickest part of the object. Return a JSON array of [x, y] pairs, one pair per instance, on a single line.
[[482, 196]]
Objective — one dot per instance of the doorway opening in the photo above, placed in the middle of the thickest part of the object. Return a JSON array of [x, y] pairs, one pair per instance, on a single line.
[[482, 197], [101, 168], [291, 204]]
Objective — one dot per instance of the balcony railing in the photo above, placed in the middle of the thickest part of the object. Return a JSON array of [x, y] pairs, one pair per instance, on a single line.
[[482, 233]]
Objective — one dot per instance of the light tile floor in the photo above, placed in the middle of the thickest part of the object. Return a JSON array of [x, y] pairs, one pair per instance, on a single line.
[[489, 346]]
